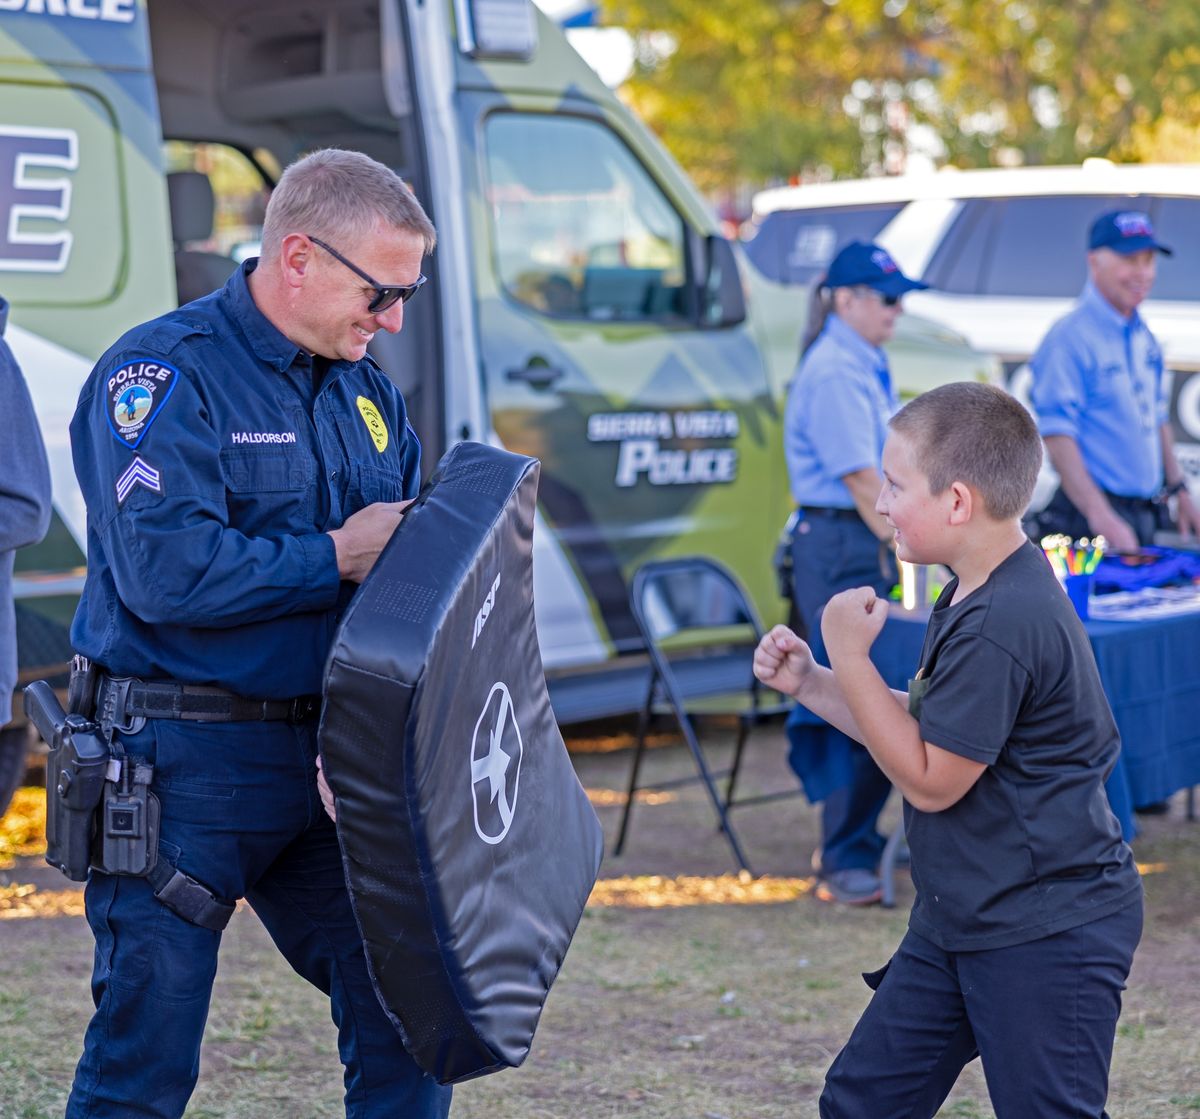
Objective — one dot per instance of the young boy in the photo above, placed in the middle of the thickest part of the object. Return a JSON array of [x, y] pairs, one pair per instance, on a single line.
[[1029, 905]]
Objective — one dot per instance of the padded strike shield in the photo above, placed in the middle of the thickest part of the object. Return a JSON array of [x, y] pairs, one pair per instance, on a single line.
[[468, 844]]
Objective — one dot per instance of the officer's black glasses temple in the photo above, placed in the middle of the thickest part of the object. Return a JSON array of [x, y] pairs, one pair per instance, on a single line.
[[385, 295]]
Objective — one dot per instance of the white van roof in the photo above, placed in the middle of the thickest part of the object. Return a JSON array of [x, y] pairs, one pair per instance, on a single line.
[[1093, 176]]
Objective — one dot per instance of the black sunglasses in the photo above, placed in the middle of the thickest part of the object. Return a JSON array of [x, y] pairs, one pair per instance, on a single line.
[[886, 300], [385, 295]]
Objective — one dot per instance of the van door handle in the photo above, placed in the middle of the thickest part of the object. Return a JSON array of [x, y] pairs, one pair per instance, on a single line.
[[537, 374]]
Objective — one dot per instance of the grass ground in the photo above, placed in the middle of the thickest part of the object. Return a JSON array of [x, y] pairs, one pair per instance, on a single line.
[[687, 994]]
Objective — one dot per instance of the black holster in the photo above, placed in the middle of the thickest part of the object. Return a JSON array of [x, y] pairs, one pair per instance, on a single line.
[[76, 773], [100, 811]]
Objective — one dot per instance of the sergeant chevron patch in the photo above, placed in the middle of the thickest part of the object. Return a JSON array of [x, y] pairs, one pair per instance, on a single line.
[[138, 473]]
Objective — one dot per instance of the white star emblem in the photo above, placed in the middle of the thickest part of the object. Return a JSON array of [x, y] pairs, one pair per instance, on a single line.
[[495, 765]]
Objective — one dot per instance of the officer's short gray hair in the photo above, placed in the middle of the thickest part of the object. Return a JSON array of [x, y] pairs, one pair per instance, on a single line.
[[341, 196], [977, 434]]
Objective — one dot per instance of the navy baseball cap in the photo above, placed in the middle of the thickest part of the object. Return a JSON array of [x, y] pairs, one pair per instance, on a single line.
[[1124, 231], [860, 263]]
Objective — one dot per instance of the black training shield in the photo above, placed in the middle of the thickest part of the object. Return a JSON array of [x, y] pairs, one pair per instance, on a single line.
[[469, 846]]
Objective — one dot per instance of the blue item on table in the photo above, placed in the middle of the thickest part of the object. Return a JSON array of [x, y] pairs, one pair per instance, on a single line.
[[1079, 590], [1151, 567]]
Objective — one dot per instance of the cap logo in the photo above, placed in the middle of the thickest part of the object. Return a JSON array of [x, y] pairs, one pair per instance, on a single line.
[[1133, 224], [883, 262]]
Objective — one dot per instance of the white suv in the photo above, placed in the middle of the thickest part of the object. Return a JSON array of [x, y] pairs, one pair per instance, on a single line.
[[1004, 252]]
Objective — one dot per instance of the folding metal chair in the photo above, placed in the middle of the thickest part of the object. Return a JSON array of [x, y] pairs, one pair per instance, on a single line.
[[700, 630]]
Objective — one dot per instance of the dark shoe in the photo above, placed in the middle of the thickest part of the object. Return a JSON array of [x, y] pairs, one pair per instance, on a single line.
[[1158, 808], [850, 887]]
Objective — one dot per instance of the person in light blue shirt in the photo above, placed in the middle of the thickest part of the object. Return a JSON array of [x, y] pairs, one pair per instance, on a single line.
[[1101, 399], [835, 424]]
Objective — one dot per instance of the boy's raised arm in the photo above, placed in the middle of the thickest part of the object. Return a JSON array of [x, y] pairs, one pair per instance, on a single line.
[[784, 661], [931, 779]]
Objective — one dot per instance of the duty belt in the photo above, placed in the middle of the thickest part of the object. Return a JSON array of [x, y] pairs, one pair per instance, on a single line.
[[119, 700], [831, 512]]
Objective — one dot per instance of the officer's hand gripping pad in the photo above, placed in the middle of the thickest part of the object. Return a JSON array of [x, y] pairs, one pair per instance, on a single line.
[[468, 844]]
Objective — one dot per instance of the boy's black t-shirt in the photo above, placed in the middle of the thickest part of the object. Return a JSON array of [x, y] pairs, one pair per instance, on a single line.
[[1008, 679]]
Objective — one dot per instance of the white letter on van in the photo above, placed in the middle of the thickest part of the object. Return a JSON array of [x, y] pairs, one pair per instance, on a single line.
[[26, 197], [636, 455], [118, 11]]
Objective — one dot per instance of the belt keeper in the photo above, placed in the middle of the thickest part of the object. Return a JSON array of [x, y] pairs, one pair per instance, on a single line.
[[114, 706]]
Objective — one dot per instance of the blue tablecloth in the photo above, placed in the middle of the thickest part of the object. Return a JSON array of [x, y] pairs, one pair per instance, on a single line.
[[1151, 674]]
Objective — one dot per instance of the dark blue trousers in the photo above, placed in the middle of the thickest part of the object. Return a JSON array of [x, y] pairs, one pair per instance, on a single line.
[[828, 556], [240, 813], [1041, 1016]]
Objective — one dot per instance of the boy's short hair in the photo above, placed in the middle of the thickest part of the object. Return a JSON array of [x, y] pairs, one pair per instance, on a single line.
[[341, 196], [977, 434]]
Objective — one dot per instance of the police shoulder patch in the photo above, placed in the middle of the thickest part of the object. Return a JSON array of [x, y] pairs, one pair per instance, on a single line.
[[135, 393]]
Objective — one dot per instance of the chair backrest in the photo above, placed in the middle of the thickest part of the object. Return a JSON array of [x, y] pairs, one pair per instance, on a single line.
[[669, 597]]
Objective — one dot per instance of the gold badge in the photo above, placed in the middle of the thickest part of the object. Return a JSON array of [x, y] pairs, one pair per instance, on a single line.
[[374, 422]]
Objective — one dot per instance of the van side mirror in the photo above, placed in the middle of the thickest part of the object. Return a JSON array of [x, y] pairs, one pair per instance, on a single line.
[[722, 299]]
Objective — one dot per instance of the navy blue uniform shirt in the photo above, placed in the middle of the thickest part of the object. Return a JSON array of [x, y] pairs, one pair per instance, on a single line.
[[212, 464]]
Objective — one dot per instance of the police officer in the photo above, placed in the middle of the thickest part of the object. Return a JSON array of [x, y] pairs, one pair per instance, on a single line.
[[1101, 399], [243, 461], [24, 518], [835, 423]]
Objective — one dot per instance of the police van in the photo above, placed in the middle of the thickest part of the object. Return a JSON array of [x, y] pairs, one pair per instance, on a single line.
[[582, 307], [1004, 253]]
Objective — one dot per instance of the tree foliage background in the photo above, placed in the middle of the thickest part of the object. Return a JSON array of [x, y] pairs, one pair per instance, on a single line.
[[764, 90]]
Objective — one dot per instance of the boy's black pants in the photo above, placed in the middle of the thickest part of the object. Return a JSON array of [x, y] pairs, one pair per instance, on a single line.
[[1042, 1017]]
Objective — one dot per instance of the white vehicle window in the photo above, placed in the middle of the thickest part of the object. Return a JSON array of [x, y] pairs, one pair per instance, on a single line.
[[1040, 244], [957, 264], [796, 246], [579, 228], [1177, 223]]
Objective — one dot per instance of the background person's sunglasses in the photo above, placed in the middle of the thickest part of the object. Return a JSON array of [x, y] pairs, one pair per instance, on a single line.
[[874, 293], [385, 295]]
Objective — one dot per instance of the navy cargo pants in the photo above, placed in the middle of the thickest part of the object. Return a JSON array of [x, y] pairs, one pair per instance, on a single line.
[[240, 813], [1041, 1016]]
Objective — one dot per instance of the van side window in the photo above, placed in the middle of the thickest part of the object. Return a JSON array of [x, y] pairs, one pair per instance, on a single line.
[[1177, 223], [796, 246], [218, 196], [579, 229]]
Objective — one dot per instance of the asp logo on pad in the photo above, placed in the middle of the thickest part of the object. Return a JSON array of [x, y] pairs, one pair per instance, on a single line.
[[496, 755]]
